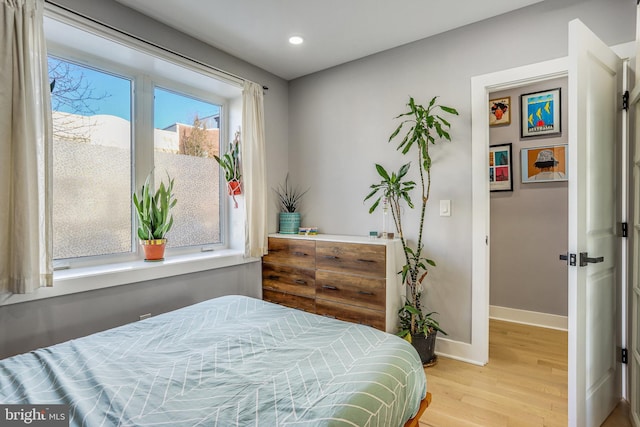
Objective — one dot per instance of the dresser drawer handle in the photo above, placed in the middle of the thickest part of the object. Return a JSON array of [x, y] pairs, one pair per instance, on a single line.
[[300, 254], [365, 293], [273, 277], [366, 260], [332, 288], [331, 257], [300, 282]]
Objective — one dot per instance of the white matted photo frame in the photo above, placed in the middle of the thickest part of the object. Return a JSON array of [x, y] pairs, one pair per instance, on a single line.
[[500, 168], [500, 111], [544, 164], [540, 113]]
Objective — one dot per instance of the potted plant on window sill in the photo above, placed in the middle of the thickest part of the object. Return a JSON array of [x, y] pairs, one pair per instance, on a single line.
[[289, 199], [154, 218], [230, 163], [425, 125]]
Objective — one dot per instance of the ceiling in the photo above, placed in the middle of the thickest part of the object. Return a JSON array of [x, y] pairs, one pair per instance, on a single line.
[[335, 31]]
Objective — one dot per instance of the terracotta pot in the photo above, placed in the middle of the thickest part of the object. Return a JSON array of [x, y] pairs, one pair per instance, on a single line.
[[153, 249], [234, 188]]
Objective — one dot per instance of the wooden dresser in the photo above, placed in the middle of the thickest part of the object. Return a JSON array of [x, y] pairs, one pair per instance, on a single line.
[[350, 278]]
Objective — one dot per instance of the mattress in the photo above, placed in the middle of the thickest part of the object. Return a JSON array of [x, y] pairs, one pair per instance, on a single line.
[[229, 361]]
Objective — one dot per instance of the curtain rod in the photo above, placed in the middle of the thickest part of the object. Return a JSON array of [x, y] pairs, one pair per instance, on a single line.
[[157, 46]]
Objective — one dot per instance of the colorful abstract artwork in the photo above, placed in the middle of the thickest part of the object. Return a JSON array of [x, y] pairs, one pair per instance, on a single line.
[[540, 113], [500, 168]]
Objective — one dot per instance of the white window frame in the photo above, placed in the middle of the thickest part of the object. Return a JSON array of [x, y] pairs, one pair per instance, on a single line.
[[81, 275]]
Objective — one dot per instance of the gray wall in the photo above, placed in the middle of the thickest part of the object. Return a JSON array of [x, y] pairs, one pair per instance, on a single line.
[[529, 224], [329, 129], [340, 120], [44, 322], [41, 323]]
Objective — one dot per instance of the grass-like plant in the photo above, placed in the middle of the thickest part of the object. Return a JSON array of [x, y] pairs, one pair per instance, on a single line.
[[289, 196]]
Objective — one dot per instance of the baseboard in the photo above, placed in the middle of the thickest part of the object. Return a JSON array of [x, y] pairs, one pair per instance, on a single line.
[[544, 320], [457, 350]]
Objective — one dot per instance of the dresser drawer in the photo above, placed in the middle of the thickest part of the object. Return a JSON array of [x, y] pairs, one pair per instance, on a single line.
[[346, 288], [290, 300], [351, 313], [295, 252], [354, 258], [289, 279]]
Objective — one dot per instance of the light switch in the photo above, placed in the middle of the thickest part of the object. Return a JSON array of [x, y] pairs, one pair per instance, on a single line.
[[445, 207]]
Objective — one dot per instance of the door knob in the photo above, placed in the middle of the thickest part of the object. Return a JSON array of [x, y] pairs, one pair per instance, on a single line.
[[585, 259]]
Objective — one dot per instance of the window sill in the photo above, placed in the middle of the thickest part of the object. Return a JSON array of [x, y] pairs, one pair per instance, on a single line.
[[85, 279]]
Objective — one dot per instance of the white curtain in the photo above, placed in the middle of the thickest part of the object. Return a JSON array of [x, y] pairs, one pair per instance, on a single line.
[[25, 149], [254, 170]]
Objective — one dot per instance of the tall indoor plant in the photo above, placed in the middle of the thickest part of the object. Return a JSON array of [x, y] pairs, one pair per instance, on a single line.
[[154, 217], [425, 127], [289, 199]]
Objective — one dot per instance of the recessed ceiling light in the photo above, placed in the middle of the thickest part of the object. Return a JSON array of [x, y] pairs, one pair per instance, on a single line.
[[296, 40]]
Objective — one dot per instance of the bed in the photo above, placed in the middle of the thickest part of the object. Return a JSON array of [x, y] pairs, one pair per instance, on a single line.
[[229, 361]]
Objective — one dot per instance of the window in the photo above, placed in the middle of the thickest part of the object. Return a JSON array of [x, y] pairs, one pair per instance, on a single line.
[[186, 137], [91, 161], [120, 110]]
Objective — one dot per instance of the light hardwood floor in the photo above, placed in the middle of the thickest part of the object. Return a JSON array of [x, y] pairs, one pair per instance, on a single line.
[[524, 384]]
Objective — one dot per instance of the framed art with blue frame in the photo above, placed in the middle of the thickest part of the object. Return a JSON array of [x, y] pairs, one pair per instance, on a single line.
[[540, 113], [544, 164]]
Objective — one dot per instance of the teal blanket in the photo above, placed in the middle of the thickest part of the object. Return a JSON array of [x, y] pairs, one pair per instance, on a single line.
[[229, 361]]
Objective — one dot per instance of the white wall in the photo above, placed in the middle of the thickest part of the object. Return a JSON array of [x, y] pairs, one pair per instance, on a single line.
[[340, 120]]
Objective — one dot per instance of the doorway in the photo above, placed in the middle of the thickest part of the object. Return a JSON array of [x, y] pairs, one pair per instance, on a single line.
[[528, 216], [593, 114], [481, 86]]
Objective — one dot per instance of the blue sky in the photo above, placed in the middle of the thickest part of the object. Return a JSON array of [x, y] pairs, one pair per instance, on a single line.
[[114, 98]]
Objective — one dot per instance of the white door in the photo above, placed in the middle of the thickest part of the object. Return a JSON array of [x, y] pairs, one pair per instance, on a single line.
[[594, 378], [634, 351]]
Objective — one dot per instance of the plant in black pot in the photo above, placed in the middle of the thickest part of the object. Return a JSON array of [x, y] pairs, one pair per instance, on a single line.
[[289, 199], [425, 127]]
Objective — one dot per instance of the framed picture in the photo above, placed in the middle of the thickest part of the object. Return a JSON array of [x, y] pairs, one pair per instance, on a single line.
[[540, 113], [500, 168], [544, 164], [500, 111]]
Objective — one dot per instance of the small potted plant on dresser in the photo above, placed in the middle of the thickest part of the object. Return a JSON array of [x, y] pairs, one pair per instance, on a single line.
[[425, 125], [230, 163], [289, 199], [154, 216]]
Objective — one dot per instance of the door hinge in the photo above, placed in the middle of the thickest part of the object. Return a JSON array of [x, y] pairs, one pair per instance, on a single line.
[[625, 100], [624, 356], [624, 229]]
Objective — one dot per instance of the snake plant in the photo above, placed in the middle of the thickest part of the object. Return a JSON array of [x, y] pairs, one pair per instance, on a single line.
[[153, 209]]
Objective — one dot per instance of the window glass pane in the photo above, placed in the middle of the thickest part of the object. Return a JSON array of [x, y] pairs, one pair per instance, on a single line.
[[91, 161], [186, 137]]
